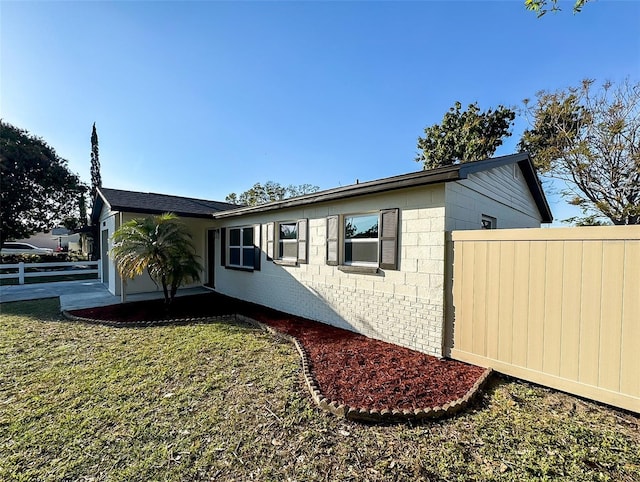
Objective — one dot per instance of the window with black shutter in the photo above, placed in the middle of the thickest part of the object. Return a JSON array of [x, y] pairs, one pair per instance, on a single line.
[[369, 241], [287, 242]]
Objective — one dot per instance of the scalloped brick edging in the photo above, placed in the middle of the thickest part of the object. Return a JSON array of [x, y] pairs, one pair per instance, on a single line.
[[142, 324], [365, 414], [362, 414]]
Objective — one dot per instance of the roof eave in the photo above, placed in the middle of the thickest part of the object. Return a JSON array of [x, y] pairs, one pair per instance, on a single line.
[[373, 187], [532, 180], [528, 170], [128, 209], [96, 209]]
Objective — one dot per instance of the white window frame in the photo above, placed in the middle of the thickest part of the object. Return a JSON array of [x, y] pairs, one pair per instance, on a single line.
[[241, 247], [346, 241], [282, 241]]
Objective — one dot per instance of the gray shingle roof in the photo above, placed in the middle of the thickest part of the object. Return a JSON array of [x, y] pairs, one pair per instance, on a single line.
[[153, 203], [412, 179]]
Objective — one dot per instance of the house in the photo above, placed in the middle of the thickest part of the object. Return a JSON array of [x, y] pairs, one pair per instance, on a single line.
[[58, 239], [114, 207], [369, 257]]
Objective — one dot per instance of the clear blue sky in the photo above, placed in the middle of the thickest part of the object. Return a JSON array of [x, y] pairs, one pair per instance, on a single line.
[[205, 98]]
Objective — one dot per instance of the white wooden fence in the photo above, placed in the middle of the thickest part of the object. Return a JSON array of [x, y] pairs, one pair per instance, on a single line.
[[33, 270]]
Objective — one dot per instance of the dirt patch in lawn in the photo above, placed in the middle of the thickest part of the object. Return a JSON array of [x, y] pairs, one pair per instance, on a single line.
[[349, 368]]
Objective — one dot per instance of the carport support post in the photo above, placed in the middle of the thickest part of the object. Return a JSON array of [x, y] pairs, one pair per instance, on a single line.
[[123, 283]]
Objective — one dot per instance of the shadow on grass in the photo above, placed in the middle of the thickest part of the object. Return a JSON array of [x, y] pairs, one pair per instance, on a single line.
[[526, 395], [43, 309]]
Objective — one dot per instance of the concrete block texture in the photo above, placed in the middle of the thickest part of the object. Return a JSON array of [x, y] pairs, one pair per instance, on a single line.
[[400, 306], [403, 306]]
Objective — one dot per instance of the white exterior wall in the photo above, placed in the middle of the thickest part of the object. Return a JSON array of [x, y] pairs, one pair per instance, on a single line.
[[111, 221], [496, 193], [501, 193], [108, 222], [405, 307]]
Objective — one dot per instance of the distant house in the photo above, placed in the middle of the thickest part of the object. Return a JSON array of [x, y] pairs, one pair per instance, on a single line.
[[58, 239], [369, 257]]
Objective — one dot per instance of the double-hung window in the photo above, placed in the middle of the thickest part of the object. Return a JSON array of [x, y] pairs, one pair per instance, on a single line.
[[287, 242], [241, 248], [361, 244], [363, 241]]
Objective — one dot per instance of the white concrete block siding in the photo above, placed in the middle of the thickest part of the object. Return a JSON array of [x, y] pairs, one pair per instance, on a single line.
[[404, 306], [393, 305]]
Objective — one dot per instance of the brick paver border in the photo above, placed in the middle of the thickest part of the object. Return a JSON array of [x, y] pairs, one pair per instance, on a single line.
[[362, 414]]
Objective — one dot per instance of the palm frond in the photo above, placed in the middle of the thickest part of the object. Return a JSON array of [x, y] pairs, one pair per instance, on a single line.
[[161, 245]]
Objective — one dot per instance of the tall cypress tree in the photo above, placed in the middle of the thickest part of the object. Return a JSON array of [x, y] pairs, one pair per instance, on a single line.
[[96, 179], [82, 207]]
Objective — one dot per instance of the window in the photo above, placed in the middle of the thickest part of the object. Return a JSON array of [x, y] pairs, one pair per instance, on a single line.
[[365, 240], [488, 222], [242, 252], [290, 241], [361, 239]]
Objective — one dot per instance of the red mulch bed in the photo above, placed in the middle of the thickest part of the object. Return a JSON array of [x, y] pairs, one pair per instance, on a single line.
[[350, 369]]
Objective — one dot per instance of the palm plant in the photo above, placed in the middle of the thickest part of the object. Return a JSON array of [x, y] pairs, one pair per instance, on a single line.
[[160, 245]]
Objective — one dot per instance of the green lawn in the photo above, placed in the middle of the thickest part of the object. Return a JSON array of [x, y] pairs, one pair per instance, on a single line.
[[223, 401], [48, 279]]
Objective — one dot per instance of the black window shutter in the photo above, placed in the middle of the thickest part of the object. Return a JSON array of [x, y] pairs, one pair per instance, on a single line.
[[333, 228], [256, 258], [223, 246], [389, 239], [270, 240], [257, 242], [303, 249]]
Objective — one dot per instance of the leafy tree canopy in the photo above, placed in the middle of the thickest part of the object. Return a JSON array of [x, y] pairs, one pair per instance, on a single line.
[[269, 192], [37, 190], [464, 136], [541, 7], [161, 246], [589, 137]]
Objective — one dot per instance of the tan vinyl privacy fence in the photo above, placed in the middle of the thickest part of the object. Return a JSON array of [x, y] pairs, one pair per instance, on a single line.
[[558, 307]]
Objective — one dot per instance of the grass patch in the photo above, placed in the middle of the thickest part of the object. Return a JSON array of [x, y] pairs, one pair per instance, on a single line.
[[224, 401], [48, 279]]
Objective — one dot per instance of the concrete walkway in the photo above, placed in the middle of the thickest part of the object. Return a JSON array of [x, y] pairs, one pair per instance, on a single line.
[[75, 295]]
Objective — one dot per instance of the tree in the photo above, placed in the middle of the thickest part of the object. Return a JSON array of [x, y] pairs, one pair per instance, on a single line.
[[37, 190], [77, 218], [82, 206], [301, 190], [96, 178], [269, 192], [540, 6], [464, 136], [161, 246], [590, 139]]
